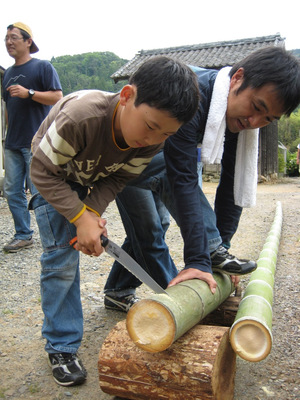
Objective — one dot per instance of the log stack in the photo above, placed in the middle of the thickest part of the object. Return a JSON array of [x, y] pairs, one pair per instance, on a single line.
[[183, 360]]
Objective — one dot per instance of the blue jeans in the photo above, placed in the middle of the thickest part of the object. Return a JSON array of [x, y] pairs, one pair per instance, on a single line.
[[17, 164], [144, 227], [60, 280]]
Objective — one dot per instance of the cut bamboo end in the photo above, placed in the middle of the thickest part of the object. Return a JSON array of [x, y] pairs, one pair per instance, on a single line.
[[251, 333], [251, 340], [154, 324], [150, 326]]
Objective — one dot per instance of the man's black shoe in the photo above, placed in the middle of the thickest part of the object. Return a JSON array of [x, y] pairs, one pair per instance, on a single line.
[[122, 303], [224, 262], [67, 369]]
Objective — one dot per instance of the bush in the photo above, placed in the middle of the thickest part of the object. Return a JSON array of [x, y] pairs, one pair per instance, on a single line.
[[294, 144], [281, 162], [292, 168]]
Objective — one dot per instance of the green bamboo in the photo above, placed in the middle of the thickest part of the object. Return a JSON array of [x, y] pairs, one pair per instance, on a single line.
[[251, 333], [155, 323]]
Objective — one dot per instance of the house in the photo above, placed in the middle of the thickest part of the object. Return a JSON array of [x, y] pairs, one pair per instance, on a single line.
[[217, 55]]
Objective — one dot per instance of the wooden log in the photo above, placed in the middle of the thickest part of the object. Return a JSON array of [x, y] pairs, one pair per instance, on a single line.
[[200, 365], [155, 323], [251, 332]]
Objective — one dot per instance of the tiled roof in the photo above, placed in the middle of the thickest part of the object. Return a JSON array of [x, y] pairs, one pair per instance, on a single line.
[[207, 55]]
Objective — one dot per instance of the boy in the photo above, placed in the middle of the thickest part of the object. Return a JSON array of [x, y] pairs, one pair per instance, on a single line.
[[87, 149]]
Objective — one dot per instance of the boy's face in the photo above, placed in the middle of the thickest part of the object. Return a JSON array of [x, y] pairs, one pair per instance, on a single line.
[[143, 125], [250, 108]]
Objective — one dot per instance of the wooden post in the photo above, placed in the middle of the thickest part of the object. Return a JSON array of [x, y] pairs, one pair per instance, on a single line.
[[155, 323], [200, 365], [251, 332]]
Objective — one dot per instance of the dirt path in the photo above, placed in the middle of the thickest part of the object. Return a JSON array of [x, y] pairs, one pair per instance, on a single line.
[[24, 371]]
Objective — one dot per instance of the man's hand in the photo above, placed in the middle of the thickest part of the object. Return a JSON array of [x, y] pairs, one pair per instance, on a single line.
[[235, 280], [89, 229], [193, 273], [18, 91]]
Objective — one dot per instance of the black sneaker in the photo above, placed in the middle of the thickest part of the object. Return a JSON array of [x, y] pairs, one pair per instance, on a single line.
[[224, 262], [67, 369], [120, 303], [16, 245]]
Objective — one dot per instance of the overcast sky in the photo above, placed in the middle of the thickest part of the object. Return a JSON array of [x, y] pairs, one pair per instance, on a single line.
[[124, 27]]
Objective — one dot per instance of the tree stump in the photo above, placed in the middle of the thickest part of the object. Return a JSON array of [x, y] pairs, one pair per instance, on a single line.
[[200, 365]]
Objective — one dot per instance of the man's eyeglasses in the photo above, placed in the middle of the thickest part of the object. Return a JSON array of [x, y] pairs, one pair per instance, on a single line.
[[12, 38]]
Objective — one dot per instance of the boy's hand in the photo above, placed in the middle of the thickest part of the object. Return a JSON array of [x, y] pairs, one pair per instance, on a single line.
[[89, 229]]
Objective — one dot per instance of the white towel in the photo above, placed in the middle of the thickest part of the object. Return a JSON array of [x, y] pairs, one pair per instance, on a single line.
[[245, 175], [213, 140]]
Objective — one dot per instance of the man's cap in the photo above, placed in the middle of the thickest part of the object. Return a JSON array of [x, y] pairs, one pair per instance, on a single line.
[[20, 25]]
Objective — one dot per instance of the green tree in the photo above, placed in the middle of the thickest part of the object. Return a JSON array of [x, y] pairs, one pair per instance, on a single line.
[[289, 130], [88, 71]]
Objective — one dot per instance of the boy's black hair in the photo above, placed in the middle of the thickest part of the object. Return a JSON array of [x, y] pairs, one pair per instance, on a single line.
[[23, 33], [276, 66], [168, 85]]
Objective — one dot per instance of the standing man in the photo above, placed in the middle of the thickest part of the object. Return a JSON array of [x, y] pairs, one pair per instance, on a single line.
[[31, 87], [298, 156], [234, 103]]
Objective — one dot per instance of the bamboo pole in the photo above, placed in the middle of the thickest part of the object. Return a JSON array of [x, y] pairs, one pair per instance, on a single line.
[[154, 324], [251, 333]]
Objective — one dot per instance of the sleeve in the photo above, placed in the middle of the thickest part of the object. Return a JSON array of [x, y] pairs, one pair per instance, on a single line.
[[228, 214], [50, 79], [47, 173], [181, 163]]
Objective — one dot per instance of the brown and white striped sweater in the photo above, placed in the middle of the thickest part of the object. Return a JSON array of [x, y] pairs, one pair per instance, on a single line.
[[75, 143]]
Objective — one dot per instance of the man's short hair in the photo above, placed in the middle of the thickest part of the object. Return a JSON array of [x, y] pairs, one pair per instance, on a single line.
[[276, 66]]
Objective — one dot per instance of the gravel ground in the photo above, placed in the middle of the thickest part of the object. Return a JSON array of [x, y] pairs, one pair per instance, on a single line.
[[24, 370]]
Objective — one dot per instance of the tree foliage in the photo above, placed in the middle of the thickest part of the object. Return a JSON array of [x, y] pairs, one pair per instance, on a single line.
[[289, 135], [88, 71], [289, 130]]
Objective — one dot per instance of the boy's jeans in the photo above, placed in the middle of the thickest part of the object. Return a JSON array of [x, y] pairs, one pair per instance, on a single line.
[[138, 212], [60, 280], [17, 163]]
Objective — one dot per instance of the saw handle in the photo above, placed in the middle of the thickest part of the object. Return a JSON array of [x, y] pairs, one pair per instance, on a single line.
[[104, 241]]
